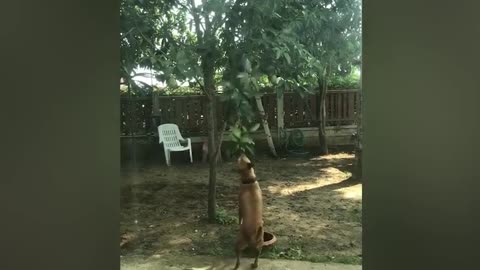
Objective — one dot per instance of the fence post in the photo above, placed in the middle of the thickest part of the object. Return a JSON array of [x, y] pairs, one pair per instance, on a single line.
[[155, 104], [156, 121], [280, 116]]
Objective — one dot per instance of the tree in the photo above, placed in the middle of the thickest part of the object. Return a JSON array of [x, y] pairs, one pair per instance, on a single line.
[[196, 53], [341, 49], [299, 44], [329, 34], [141, 38]]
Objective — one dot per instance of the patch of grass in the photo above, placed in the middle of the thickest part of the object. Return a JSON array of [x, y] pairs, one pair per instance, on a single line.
[[296, 253], [222, 245], [352, 214], [355, 260], [224, 218], [349, 260], [291, 253]]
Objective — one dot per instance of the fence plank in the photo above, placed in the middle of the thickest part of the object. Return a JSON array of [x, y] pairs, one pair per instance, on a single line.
[[339, 108], [280, 115], [351, 106]]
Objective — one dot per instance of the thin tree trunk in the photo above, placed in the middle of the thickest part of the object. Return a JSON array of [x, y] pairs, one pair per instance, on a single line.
[[209, 72], [322, 136], [207, 42], [218, 143], [265, 125], [212, 180]]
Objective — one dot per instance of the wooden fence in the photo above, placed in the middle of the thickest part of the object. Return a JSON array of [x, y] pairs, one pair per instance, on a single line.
[[189, 112]]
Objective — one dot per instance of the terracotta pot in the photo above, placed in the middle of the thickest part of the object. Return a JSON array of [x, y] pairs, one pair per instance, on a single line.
[[268, 239]]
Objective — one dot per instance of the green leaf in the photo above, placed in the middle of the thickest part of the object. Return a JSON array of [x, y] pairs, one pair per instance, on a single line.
[[237, 133], [248, 66], [274, 79], [247, 140], [278, 53], [235, 139], [254, 127], [171, 82], [242, 75], [181, 57], [250, 149], [287, 57]]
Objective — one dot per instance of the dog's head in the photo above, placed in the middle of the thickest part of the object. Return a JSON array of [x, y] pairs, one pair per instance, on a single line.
[[245, 168], [244, 163]]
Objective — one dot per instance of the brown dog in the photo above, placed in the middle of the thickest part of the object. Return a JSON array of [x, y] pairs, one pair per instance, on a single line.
[[250, 212]]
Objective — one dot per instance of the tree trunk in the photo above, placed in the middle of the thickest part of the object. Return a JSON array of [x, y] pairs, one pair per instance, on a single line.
[[207, 43], [322, 136], [212, 180], [218, 151], [265, 125], [209, 84]]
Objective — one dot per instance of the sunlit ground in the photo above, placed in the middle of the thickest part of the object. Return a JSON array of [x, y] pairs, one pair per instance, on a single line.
[[313, 206], [335, 157], [329, 175]]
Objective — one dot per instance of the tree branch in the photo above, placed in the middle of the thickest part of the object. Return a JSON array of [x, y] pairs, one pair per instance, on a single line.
[[206, 17], [199, 83], [197, 22], [217, 22], [183, 5], [202, 87]]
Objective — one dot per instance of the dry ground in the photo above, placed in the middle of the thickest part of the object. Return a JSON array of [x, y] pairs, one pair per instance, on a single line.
[[311, 205]]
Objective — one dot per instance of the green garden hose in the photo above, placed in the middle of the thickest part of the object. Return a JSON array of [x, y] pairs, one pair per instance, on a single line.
[[296, 138]]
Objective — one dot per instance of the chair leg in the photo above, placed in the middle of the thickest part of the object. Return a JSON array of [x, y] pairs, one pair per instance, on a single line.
[[167, 157], [191, 156]]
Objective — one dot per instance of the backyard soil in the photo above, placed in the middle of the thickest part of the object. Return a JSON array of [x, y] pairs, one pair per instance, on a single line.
[[312, 205]]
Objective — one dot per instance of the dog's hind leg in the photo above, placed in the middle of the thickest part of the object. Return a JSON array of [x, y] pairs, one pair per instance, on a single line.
[[239, 246], [258, 251], [258, 246]]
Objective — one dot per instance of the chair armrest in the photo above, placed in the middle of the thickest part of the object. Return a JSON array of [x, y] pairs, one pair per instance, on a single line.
[[188, 141]]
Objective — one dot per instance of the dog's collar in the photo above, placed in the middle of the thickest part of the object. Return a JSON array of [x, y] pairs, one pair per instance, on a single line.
[[249, 181]]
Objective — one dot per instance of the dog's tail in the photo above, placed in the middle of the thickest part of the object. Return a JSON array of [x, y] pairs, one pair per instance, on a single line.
[[260, 232], [257, 237]]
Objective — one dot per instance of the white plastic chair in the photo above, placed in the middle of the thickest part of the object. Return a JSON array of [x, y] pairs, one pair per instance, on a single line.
[[170, 136]]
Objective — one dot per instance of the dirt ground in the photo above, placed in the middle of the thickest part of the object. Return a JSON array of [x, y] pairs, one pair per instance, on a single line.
[[312, 205]]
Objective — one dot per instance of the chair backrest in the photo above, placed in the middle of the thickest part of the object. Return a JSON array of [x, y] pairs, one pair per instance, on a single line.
[[169, 135]]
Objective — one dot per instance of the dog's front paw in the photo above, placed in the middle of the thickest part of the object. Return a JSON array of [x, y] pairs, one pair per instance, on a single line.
[[254, 265]]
